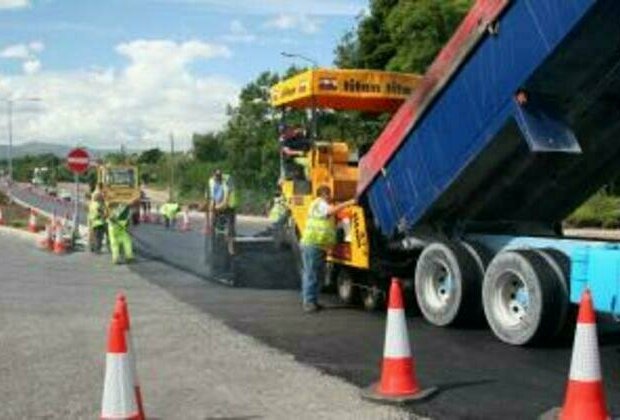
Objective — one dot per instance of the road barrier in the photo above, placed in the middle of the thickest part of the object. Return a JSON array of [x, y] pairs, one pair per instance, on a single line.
[[398, 383]]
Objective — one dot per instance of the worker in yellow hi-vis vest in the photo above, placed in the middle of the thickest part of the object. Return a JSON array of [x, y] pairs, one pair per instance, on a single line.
[[318, 236], [223, 203], [118, 231]]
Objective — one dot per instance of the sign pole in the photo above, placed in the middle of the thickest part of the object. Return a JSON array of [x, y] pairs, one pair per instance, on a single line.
[[77, 161], [76, 211]]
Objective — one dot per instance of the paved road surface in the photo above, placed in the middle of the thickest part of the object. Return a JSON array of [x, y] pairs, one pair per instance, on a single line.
[[54, 313], [481, 377]]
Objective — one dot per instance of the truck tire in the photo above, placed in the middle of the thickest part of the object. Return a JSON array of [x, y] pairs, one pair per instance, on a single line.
[[560, 263], [345, 287], [481, 257], [447, 284], [372, 296], [521, 295], [330, 277]]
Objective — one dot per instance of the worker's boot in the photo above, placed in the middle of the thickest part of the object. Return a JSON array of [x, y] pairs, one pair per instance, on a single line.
[[311, 307]]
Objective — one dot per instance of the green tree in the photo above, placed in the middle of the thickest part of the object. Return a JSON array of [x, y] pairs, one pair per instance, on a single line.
[[150, 156], [251, 135], [209, 147], [420, 28], [400, 35]]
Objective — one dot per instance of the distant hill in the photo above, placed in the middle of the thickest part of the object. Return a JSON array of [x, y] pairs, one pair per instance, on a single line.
[[60, 150]]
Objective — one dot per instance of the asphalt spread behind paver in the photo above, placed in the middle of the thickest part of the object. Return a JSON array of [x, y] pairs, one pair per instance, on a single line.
[[256, 265], [479, 377]]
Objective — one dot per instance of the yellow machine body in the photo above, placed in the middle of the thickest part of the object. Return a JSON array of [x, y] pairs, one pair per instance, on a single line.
[[119, 184], [328, 164]]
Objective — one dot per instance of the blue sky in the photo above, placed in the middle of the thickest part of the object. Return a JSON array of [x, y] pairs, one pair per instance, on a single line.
[[130, 71]]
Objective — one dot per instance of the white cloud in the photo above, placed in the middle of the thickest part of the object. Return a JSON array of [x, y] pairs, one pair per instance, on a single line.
[[303, 23], [154, 94], [31, 66], [20, 51], [312, 7], [238, 33], [14, 4], [36, 46]]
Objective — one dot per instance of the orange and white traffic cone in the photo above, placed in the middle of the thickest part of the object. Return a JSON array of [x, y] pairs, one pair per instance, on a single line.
[[2, 221], [119, 400], [32, 222], [121, 308], [398, 382], [47, 241], [185, 222], [585, 396], [59, 242]]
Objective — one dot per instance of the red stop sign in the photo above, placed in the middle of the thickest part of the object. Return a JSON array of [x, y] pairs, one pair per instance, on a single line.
[[78, 160]]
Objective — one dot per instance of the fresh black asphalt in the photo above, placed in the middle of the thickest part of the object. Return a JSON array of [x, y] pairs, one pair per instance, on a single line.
[[479, 377]]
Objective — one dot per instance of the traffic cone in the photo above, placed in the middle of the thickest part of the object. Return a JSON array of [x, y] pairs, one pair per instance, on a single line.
[[121, 308], [185, 223], [118, 401], [398, 382], [59, 242], [46, 241], [32, 222], [2, 221], [585, 396]]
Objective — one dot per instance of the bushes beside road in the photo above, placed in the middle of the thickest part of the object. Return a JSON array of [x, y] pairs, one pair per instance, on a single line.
[[602, 211]]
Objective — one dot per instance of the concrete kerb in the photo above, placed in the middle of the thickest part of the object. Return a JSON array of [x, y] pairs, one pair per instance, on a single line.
[[18, 233]]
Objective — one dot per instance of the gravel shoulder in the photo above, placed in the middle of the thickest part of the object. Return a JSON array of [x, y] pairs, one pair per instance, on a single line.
[[54, 313]]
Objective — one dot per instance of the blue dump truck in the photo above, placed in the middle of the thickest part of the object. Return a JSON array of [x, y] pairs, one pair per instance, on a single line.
[[516, 123]]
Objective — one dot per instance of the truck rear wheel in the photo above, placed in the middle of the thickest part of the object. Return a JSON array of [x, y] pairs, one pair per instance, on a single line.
[[447, 284], [521, 296], [330, 277], [373, 298], [345, 287]]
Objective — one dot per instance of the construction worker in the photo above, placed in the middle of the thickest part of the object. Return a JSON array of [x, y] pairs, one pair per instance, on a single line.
[[118, 231], [169, 211], [318, 236], [96, 221], [223, 203], [294, 146], [279, 210]]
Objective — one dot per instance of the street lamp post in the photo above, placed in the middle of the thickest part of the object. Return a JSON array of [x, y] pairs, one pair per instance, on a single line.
[[313, 111], [314, 63], [9, 114]]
